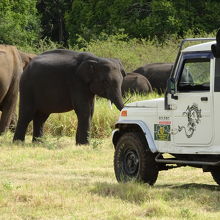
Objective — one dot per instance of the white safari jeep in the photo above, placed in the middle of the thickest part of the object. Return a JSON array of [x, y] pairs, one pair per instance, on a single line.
[[181, 129]]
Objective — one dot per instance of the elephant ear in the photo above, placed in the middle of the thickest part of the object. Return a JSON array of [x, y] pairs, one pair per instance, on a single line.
[[120, 66], [86, 70], [122, 69]]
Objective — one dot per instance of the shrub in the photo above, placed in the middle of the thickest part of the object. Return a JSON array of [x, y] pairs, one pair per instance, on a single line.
[[141, 19], [19, 22]]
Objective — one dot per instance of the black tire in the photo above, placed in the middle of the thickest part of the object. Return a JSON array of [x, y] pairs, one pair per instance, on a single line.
[[133, 161], [216, 174]]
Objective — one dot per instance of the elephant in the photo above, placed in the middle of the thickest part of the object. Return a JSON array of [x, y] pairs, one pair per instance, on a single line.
[[26, 58], [135, 83], [12, 63], [62, 80], [157, 74], [11, 67]]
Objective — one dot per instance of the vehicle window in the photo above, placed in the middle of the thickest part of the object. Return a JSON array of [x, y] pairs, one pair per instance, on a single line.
[[217, 75], [195, 75]]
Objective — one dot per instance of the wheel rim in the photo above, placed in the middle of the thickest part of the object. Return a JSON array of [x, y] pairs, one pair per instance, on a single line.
[[131, 162]]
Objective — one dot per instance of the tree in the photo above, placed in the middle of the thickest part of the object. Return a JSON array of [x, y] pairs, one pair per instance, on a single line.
[[52, 18], [19, 22], [141, 18]]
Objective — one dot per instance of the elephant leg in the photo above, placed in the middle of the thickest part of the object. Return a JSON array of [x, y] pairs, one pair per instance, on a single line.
[[38, 124], [84, 116], [13, 122], [8, 110], [25, 116], [82, 133], [92, 108]]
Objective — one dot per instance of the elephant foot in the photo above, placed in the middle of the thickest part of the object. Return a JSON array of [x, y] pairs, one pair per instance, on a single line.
[[37, 140], [18, 138], [82, 143], [18, 141], [2, 131]]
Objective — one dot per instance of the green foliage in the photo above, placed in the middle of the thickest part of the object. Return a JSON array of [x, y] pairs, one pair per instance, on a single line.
[[52, 18], [23, 22], [19, 23], [163, 20], [41, 46], [141, 19]]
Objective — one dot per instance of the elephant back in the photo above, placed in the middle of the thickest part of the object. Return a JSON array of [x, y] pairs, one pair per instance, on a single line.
[[135, 83], [157, 74]]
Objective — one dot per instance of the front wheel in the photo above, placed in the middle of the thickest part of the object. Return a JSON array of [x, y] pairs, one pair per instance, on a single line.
[[134, 161], [216, 174]]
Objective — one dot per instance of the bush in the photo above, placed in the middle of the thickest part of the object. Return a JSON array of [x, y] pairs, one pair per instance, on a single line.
[[19, 22], [141, 19]]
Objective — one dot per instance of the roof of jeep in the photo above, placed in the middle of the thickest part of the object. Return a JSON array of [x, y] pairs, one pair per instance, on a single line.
[[199, 47]]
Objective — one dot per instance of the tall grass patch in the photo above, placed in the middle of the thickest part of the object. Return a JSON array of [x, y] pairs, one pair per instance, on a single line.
[[132, 52]]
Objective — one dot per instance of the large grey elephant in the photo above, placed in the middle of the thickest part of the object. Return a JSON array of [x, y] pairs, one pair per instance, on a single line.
[[63, 80], [135, 83], [11, 67], [157, 74]]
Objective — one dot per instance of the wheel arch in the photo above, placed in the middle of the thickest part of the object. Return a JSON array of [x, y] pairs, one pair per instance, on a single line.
[[136, 126]]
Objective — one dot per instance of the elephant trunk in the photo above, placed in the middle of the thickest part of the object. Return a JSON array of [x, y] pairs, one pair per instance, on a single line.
[[119, 104], [117, 100]]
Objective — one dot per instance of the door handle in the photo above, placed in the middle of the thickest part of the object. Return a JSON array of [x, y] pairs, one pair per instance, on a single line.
[[204, 99]]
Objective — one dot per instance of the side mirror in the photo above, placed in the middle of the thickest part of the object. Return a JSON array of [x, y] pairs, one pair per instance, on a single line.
[[171, 86], [171, 89]]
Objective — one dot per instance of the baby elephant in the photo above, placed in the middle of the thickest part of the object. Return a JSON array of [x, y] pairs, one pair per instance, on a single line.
[[135, 83], [63, 80]]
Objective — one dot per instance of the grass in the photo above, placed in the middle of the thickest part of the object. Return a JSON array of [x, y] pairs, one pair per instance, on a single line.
[[133, 53], [58, 180]]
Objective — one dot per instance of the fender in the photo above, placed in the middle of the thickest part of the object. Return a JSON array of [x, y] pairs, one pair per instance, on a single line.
[[145, 130]]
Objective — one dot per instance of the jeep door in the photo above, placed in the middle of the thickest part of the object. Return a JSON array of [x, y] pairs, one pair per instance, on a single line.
[[193, 107]]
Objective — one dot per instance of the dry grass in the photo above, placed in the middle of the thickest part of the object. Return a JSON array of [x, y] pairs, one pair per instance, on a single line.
[[58, 180]]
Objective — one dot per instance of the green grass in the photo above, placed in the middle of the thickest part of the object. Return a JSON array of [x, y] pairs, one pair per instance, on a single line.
[[58, 180]]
